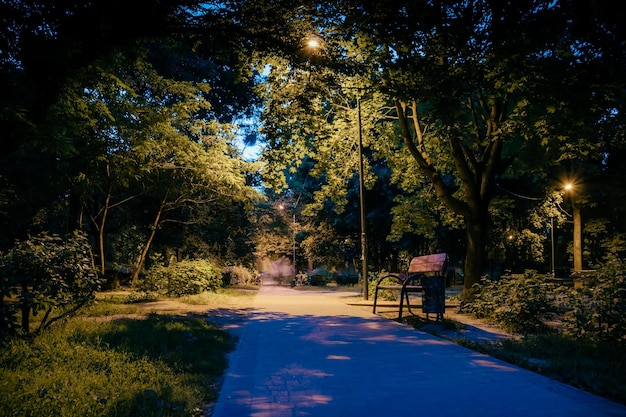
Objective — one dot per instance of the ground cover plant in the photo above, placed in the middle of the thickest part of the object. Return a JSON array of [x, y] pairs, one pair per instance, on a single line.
[[114, 360]]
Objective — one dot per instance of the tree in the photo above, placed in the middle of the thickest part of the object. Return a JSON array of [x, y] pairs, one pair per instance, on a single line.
[[480, 92], [85, 88]]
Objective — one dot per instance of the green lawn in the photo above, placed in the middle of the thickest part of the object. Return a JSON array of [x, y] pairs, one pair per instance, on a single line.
[[115, 360]]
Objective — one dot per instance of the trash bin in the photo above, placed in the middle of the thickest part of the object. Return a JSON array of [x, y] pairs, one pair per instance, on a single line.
[[434, 295]]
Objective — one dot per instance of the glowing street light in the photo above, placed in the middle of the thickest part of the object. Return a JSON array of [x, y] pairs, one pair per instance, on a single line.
[[578, 230], [313, 43]]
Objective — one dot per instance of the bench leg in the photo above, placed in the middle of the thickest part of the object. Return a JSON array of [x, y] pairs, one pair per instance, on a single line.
[[408, 304], [403, 295], [375, 299]]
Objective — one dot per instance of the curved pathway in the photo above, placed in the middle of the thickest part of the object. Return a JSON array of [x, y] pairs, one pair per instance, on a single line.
[[305, 353]]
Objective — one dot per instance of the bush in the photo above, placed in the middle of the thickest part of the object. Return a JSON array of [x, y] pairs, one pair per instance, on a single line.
[[47, 274], [347, 278], [519, 303], [598, 309], [239, 275], [319, 277], [386, 295], [183, 278]]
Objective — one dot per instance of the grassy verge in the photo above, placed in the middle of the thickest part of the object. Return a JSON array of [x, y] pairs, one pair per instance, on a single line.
[[597, 367], [143, 365]]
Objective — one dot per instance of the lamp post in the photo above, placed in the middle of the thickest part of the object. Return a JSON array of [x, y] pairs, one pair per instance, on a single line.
[[282, 208], [313, 43], [552, 246], [294, 248], [578, 240], [578, 231], [362, 205]]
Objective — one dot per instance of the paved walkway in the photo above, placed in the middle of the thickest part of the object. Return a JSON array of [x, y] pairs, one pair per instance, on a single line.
[[305, 353]]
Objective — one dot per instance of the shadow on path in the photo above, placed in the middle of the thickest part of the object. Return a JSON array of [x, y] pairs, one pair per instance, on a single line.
[[311, 355]]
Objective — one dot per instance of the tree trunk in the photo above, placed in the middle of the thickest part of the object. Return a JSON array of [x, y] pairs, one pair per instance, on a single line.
[[144, 253], [101, 234], [476, 172], [476, 232]]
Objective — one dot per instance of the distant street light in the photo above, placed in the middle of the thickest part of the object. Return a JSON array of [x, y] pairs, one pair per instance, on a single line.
[[282, 208], [578, 230]]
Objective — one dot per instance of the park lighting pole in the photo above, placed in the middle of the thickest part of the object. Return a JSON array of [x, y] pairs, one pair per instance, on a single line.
[[294, 247], [362, 205], [578, 231], [552, 245], [314, 43], [282, 208]]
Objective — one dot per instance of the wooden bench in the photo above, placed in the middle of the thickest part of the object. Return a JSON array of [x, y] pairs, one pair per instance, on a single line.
[[421, 269]]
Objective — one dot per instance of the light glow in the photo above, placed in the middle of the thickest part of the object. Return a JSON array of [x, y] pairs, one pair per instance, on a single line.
[[313, 43]]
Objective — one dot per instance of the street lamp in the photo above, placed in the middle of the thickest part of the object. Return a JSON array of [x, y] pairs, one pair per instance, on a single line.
[[294, 248], [552, 246], [362, 204], [282, 208], [314, 43], [578, 230]]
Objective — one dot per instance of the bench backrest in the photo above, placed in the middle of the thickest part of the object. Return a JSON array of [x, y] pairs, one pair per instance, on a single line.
[[429, 263]]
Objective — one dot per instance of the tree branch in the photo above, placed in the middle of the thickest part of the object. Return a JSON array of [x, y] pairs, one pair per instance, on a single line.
[[427, 169]]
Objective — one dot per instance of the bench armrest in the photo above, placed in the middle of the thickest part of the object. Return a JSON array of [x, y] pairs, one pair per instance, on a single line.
[[414, 279]]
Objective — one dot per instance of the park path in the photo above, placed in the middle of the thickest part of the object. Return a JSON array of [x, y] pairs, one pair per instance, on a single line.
[[304, 353]]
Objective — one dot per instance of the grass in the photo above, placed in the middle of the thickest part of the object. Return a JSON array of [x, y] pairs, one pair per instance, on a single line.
[[219, 297], [100, 365], [597, 367]]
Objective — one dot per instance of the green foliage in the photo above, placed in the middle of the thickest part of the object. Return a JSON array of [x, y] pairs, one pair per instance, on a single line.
[[153, 366], [320, 277], [346, 277], [597, 310], [187, 277], [517, 302], [387, 295], [47, 274], [239, 275]]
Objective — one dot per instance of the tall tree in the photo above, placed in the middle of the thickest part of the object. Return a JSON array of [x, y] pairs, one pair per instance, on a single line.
[[479, 92]]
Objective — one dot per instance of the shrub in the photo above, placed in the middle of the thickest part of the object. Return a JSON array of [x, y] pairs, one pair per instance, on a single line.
[[183, 278], [319, 277], [386, 295], [239, 275], [47, 274], [598, 309], [347, 277], [518, 303]]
